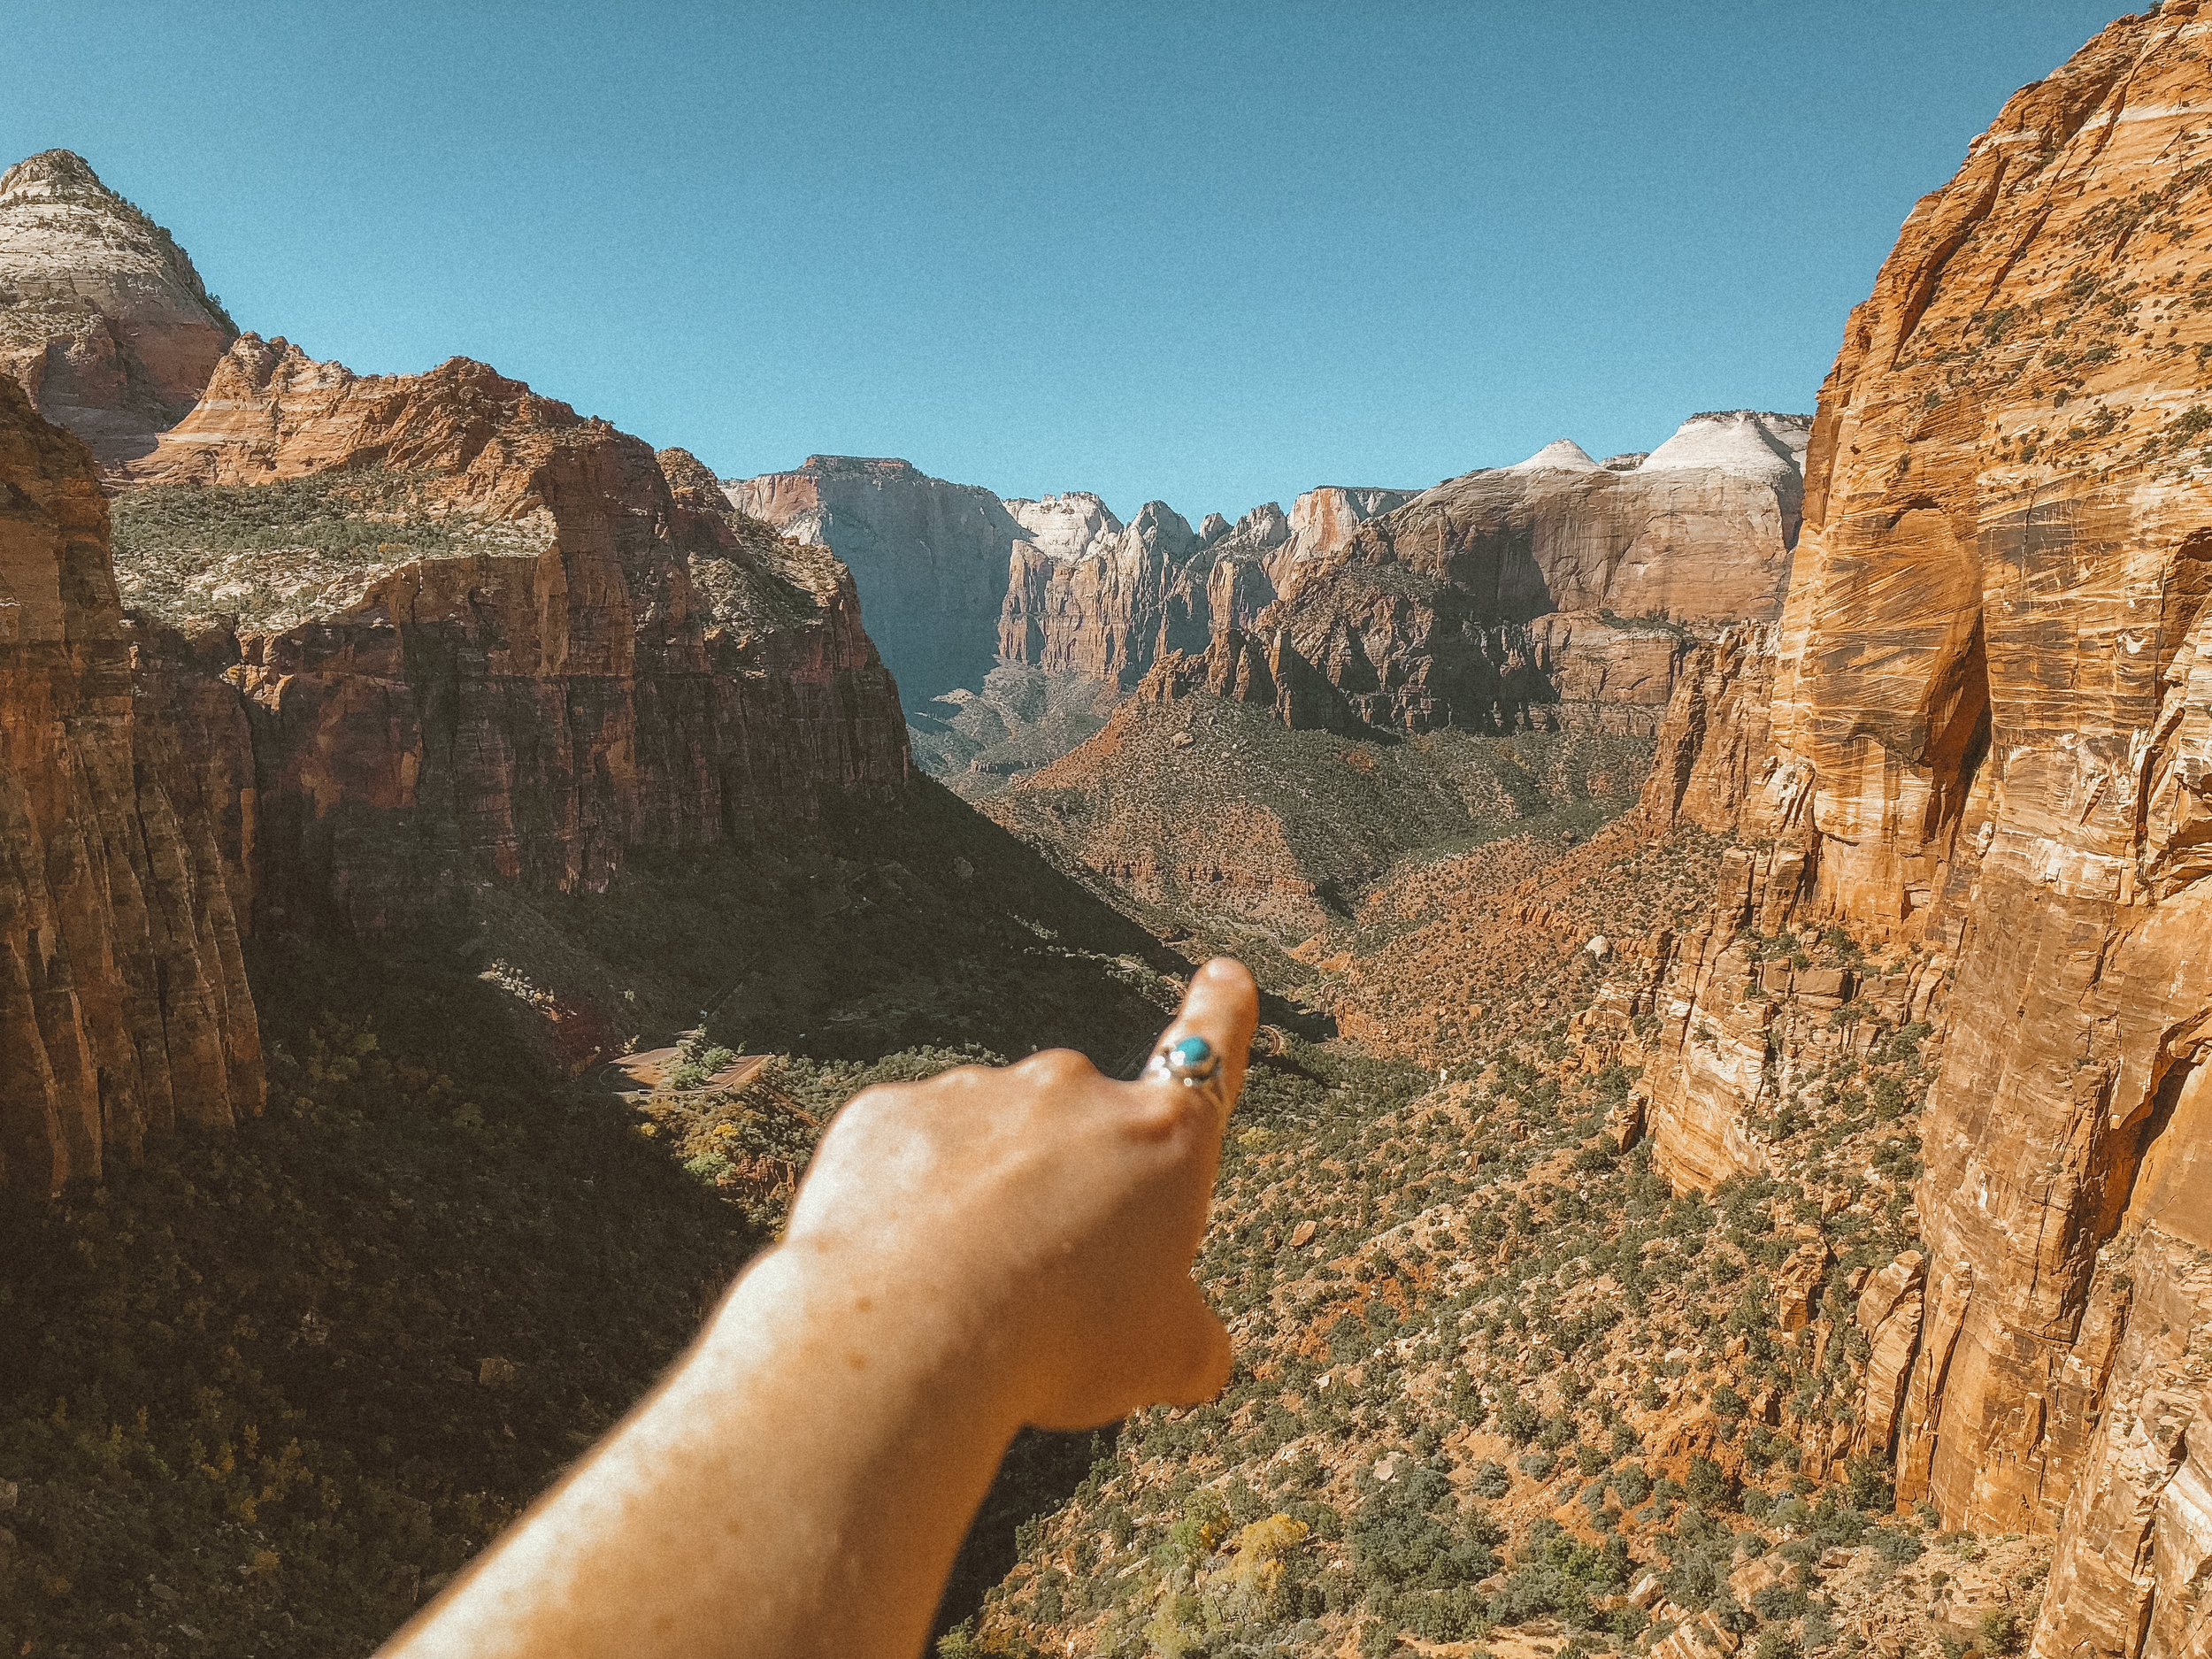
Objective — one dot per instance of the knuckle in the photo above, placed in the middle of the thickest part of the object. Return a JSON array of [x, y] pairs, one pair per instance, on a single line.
[[1057, 1067], [871, 1103]]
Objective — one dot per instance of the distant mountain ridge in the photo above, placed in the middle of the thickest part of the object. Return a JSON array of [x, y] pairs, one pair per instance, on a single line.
[[1694, 536]]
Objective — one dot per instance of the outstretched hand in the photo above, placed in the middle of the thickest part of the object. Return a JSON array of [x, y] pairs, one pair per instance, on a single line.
[[986, 1249], [1056, 1207]]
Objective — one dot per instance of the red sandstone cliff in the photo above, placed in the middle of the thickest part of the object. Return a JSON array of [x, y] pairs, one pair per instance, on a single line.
[[1992, 747], [123, 999], [634, 664], [103, 319], [1091, 595], [1558, 591]]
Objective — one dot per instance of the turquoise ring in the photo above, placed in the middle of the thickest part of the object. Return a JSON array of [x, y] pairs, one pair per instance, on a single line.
[[1189, 1061]]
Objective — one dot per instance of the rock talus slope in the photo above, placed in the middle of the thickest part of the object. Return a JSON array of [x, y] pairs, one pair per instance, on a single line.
[[123, 1001], [103, 319], [1992, 742], [633, 664]]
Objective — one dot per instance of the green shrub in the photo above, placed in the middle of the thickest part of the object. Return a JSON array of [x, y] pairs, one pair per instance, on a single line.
[[1707, 1485], [1406, 1534], [1518, 1420], [1896, 1545], [708, 1166], [1868, 1485]]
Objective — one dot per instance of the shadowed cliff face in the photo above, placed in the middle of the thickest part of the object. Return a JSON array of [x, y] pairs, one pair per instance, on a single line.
[[103, 319], [633, 665], [1991, 742], [123, 999], [931, 557]]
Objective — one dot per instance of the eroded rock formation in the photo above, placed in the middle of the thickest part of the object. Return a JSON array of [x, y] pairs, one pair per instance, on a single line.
[[123, 1000], [958, 580], [103, 319], [633, 664], [1323, 520], [1554, 591], [1096, 604], [1086, 595], [930, 558], [1991, 745]]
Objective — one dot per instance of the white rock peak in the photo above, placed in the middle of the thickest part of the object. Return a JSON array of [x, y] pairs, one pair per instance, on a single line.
[[103, 319], [1750, 443], [1066, 528], [1561, 454]]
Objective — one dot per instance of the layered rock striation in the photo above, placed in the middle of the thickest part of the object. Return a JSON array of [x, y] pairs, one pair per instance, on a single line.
[[930, 558], [124, 1008], [1562, 592], [103, 322], [1990, 748], [628, 663], [1556, 591]]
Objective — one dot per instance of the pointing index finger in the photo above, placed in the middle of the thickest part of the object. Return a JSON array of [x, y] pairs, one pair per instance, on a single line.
[[1222, 1006]]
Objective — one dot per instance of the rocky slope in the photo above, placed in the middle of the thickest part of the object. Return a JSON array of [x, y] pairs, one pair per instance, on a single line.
[[978, 742], [567, 649], [124, 1008], [1201, 804], [103, 319], [1501, 1390], [1558, 590]]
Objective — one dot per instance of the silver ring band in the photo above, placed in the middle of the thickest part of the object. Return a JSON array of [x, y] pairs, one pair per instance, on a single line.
[[1188, 1063]]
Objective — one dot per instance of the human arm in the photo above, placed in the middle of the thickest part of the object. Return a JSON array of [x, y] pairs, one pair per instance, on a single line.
[[983, 1250]]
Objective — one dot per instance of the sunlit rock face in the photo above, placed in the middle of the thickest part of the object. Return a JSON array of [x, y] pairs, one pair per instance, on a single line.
[[1992, 741], [1556, 591], [103, 319], [1088, 595], [600, 654], [123, 1002]]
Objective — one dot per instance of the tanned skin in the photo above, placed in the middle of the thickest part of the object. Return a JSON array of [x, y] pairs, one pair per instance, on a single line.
[[984, 1250]]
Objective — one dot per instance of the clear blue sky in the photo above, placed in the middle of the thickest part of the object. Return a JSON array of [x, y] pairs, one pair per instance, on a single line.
[[1214, 253]]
